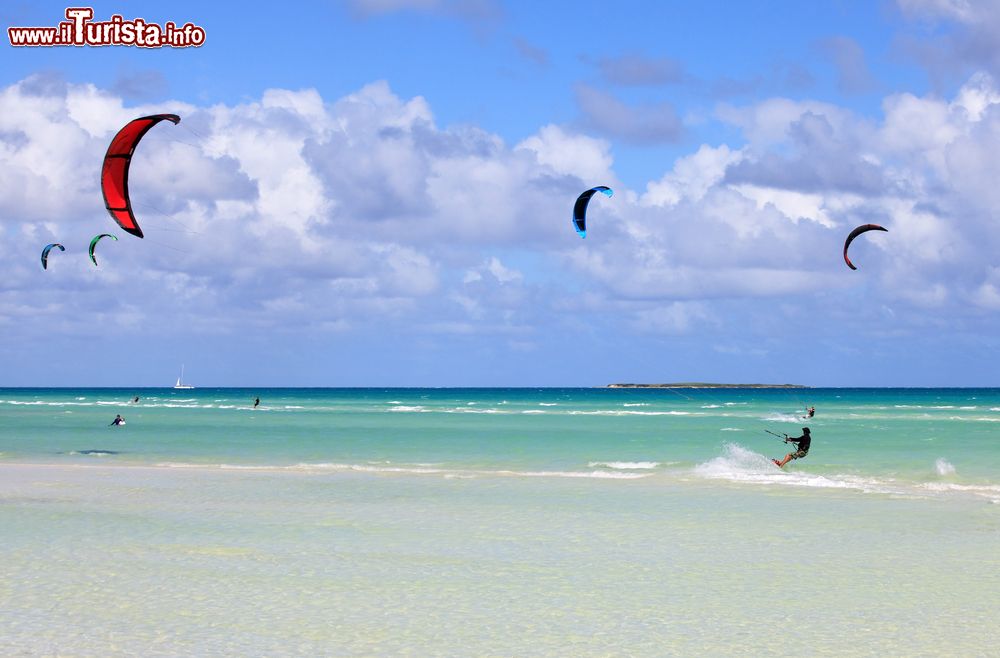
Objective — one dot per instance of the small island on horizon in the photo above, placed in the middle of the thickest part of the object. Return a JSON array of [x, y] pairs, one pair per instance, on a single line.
[[705, 385]]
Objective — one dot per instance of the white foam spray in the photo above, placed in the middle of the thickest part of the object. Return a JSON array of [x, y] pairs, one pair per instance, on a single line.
[[943, 467]]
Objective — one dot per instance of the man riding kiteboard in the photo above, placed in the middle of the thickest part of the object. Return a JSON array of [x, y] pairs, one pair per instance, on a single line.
[[801, 445]]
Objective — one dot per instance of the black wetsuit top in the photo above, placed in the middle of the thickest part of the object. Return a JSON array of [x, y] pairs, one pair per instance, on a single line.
[[802, 442]]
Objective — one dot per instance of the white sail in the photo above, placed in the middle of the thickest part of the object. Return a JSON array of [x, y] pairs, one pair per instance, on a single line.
[[180, 379]]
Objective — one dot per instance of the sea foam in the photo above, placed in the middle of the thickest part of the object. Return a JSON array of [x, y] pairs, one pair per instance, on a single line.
[[409, 469], [625, 466], [944, 467], [739, 464]]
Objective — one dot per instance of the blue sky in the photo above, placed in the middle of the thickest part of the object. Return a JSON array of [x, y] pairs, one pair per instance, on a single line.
[[377, 193]]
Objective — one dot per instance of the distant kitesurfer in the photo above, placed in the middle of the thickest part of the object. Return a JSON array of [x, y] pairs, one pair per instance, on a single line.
[[135, 400], [810, 412], [801, 444], [256, 403], [118, 420]]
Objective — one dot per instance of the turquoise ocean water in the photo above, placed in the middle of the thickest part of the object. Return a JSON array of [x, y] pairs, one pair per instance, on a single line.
[[499, 522]]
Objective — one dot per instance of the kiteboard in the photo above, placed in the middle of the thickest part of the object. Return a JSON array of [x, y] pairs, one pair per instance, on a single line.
[[776, 462]]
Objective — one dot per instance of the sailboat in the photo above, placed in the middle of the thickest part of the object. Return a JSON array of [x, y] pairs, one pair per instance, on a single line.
[[180, 379]]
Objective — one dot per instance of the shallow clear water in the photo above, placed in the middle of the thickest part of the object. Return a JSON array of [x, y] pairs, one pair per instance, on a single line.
[[498, 522]]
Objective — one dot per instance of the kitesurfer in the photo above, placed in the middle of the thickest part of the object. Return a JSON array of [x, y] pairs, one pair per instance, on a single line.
[[118, 420], [810, 412], [135, 400], [256, 403], [801, 445]]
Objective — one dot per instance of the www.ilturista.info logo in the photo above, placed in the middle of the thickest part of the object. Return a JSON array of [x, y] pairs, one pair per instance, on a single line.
[[81, 30]]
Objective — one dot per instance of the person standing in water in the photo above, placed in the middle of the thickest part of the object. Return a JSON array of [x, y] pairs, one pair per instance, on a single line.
[[802, 447], [118, 420]]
